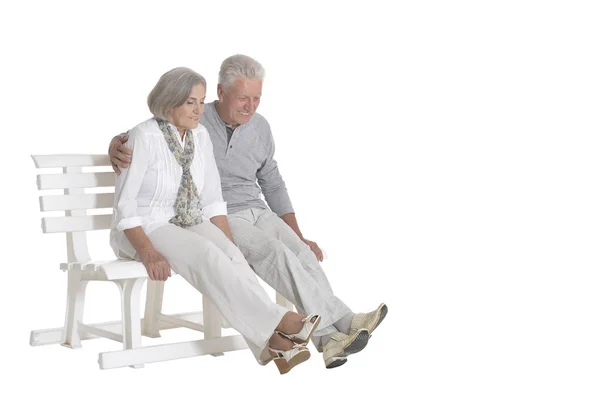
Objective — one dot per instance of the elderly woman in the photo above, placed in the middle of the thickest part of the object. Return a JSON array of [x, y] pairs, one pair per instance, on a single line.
[[169, 213]]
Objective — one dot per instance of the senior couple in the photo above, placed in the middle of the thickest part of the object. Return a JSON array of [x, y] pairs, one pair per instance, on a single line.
[[188, 198]]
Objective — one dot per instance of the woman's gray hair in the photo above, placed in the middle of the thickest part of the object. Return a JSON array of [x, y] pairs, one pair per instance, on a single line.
[[239, 66], [172, 90]]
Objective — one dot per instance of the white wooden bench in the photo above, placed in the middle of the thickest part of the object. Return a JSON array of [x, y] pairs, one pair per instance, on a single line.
[[129, 276]]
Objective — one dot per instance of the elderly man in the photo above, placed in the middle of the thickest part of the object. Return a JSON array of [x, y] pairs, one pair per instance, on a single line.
[[269, 236]]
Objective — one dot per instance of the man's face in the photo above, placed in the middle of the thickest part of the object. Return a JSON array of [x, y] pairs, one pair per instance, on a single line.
[[239, 101]]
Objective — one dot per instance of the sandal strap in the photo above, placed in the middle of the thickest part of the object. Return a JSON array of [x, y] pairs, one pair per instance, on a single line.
[[280, 352], [305, 321], [288, 336], [309, 317]]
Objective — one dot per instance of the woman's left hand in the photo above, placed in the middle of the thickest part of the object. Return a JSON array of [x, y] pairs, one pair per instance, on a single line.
[[315, 248]]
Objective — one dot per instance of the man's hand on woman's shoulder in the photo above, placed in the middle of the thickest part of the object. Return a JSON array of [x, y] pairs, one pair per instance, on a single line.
[[120, 155]]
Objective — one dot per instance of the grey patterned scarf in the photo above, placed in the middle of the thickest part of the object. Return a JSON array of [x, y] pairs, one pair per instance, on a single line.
[[187, 206]]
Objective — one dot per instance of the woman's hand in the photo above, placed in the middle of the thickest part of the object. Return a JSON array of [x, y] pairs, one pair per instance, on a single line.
[[157, 266], [221, 222]]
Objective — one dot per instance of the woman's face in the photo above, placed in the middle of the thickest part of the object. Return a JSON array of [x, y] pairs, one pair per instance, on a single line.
[[187, 115]]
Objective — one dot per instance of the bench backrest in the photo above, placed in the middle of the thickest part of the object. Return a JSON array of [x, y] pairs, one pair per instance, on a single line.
[[75, 201]]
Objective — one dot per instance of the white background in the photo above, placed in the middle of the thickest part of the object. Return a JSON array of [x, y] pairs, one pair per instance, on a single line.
[[444, 153]]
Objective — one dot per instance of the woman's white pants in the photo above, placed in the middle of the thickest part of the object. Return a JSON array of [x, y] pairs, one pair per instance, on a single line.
[[204, 256]]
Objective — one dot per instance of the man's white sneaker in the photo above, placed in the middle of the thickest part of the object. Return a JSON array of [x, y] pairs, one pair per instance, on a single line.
[[341, 345], [370, 320]]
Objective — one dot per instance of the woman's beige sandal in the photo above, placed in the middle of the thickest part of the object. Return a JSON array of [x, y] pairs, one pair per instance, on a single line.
[[287, 360], [303, 336]]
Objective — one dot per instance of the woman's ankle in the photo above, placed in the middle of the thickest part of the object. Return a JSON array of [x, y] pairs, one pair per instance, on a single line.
[[291, 323], [280, 342]]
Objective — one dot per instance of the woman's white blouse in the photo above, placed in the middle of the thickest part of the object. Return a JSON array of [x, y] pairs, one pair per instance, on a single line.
[[145, 193]]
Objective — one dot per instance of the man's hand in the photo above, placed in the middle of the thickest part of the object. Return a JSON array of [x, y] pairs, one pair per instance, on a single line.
[[120, 156], [157, 266], [315, 248], [290, 220]]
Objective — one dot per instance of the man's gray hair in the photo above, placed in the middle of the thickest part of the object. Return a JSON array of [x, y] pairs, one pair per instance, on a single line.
[[172, 90], [239, 66]]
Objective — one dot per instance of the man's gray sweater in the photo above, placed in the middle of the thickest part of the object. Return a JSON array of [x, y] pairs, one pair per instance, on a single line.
[[245, 161]]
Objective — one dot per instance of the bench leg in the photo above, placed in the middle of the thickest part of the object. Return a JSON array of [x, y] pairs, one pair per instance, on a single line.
[[154, 300], [74, 313], [212, 321], [130, 310], [280, 300]]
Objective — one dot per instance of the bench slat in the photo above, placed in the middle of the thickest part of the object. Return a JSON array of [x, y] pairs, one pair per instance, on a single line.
[[112, 270], [74, 202], [75, 180], [67, 160], [67, 224]]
